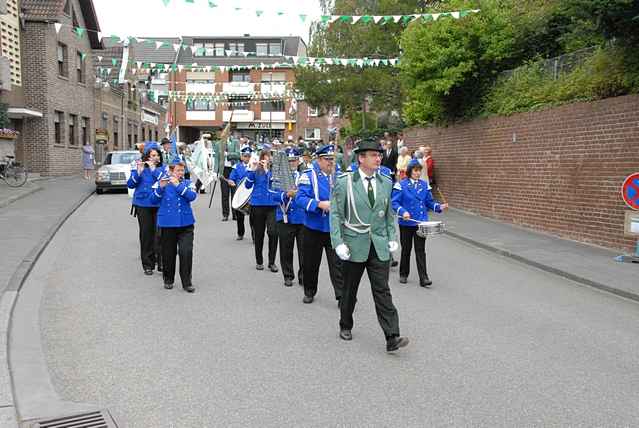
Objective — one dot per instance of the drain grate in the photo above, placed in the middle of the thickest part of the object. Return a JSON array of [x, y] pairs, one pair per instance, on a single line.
[[101, 419]]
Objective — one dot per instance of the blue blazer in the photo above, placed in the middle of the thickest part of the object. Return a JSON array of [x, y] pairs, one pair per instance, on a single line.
[[313, 188], [238, 173], [143, 185], [262, 195], [415, 199], [175, 204], [294, 213]]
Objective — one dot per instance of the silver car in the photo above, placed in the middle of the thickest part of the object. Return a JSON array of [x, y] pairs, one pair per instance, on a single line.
[[115, 171]]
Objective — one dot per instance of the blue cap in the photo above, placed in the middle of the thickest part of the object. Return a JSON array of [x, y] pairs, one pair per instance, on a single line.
[[326, 150], [151, 145], [292, 153], [413, 163], [177, 161], [246, 150]]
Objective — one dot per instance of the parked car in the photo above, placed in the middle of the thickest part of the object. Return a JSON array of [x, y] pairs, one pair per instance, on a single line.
[[115, 171]]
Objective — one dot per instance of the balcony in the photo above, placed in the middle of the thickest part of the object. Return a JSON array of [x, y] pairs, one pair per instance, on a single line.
[[201, 115], [273, 89], [200, 87], [238, 88], [275, 116], [238, 116]]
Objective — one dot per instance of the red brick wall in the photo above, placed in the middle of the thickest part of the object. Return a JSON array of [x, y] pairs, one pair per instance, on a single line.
[[562, 174]]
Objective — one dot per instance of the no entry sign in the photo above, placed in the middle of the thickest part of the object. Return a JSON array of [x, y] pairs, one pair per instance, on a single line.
[[630, 191]]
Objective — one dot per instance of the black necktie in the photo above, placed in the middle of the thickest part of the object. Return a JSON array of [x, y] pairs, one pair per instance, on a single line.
[[371, 192]]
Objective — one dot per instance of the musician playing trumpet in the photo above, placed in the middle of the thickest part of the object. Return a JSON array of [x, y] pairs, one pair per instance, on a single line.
[[412, 199], [260, 179]]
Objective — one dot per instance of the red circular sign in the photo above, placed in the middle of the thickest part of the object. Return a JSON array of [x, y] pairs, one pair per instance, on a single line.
[[630, 191]]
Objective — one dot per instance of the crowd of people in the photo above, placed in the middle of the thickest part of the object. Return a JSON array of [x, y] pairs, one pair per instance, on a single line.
[[346, 203]]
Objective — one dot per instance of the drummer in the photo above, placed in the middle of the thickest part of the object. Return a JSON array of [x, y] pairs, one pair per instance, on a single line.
[[237, 174], [412, 200]]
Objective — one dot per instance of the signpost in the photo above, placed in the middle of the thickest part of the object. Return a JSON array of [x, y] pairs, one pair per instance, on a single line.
[[630, 195]]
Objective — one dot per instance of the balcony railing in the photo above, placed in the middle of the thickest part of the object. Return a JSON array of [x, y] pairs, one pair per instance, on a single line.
[[200, 87], [238, 116], [273, 89], [238, 88]]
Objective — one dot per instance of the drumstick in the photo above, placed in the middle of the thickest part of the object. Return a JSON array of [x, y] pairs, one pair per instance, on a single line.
[[442, 195]]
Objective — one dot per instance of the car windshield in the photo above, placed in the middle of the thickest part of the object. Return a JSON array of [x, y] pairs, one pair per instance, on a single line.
[[121, 158]]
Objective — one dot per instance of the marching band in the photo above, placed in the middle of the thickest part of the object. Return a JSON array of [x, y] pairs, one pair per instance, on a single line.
[[351, 216]]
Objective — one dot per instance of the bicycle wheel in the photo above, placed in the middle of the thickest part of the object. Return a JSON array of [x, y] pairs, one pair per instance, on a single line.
[[15, 176]]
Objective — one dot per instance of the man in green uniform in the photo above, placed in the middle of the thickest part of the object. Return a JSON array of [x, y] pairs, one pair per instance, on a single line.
[[363, 235], [226, 151]]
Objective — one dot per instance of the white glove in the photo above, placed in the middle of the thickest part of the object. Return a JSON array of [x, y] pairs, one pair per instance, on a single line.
[[214, 176], [343, 252], [393, 246]]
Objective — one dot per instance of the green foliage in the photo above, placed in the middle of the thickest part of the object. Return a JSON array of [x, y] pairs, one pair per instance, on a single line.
[[608, 72]]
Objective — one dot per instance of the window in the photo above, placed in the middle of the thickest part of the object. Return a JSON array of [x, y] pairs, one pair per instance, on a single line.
[[236, 48], [219, 49], [129, 135], [73, 119], [274, 77], [275, 48], [84, 135], [200, 105], [58, 119], [144, 134], [105, 120], [156, 135], [261, 49], [312, 134], [62, 60], [209, 49], [313, 111], [80, 67], [238, 104], [240, 76], [116, 133], [199, 49], [273, 106], [336, 111]]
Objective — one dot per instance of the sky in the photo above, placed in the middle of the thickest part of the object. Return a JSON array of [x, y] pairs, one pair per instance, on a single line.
[[151, 18]]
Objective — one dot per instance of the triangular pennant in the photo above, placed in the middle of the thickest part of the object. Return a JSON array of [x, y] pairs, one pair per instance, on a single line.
[[376, 62], [325, 19], [385, 61], [79, 31], [222, 68], [427, 17], [158, 45], [99, 34], [356, 18], [303, 18], [100, 58], [114, 61], [329, 61], [360, 62], [57, 27], [189, 1], [228, 52], [166, 2], [259, 12], [180, 67], [139, 64], [211, 4], [82, 56], [344, 61], [435, 16], [393, 61], [108, 71], [376, 19], [346, 19], [193, 49], [246, 54], [134, 70], [280, 13], [407, 18], [397, 18], [455, 15]]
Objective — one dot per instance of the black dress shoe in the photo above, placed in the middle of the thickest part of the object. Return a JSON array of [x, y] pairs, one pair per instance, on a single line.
[[288, 282], [308, 299], [189, 289], [148, 272], [426, 283], [394, 343], [259, 267], [273, 268], [239, 238], [403, 280], [225, 218], [345, 334], [394, 263], [168, 286], [160, 268]]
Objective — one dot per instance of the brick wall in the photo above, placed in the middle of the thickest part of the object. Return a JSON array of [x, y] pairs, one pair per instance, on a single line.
[[47, 92], [557, 171]]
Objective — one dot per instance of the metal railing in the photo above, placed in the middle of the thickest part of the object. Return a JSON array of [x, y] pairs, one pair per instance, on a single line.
[[557, 66]]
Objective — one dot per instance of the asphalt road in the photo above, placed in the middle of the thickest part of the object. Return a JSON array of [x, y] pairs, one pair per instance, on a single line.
[[493, 343]]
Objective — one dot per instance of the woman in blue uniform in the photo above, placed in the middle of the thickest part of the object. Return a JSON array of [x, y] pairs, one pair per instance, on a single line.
[[412, 200], [263, 210], [237, 174], [174, 194], [146, 173]]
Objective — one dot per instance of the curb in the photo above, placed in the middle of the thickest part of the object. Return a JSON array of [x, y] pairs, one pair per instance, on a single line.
[[12, 199], [10, 297], [546, 268]]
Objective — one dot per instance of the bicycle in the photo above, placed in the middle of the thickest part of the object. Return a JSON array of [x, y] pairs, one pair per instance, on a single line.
[[14, 174]]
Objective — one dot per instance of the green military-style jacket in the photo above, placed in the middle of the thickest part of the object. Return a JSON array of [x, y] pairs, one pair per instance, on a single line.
[[232, 149], [355, 223]]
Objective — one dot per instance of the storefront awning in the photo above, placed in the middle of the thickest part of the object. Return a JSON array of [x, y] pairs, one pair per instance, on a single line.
[[22, 113]]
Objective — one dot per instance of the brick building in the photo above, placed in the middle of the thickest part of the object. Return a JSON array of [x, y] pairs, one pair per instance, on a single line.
[[259, 99]]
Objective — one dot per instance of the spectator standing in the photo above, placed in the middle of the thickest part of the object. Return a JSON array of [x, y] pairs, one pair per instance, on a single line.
[[402, 162]]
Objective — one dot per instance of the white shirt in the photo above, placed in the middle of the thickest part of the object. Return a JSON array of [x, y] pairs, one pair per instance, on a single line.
[[365, 182]]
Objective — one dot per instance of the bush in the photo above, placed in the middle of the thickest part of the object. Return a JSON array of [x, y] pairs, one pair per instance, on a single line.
[[608, 72]]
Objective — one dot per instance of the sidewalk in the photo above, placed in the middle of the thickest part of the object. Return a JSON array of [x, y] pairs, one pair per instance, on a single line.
[[582, 263]]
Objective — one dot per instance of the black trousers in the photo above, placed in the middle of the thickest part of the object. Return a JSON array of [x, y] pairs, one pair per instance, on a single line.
[[177, 241], [149, 237], [289, 235], [225, 191], [378, 275], [408, 235], [263, 220], [313, 244]]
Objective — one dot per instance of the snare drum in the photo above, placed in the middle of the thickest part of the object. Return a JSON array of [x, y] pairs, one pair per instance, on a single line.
[[242, 198], [430, 228]]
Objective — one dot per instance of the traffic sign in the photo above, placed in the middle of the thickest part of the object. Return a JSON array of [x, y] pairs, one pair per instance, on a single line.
[[630, 191]]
